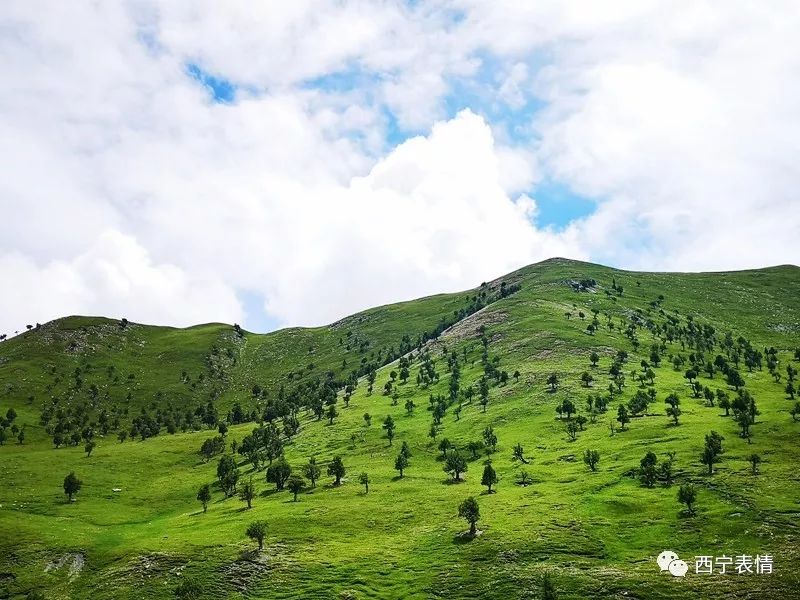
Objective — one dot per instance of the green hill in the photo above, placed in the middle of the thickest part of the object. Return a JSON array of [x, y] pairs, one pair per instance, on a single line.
[[483, 358]]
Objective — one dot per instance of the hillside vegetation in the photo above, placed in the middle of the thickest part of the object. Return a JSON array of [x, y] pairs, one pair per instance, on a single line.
[[570, 401]]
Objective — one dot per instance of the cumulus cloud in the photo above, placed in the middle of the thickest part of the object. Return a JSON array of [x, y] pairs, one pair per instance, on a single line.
[[345, 173], [114, 277]]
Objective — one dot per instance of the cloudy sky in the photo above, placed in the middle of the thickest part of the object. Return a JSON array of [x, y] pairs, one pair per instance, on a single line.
[[287, 163]]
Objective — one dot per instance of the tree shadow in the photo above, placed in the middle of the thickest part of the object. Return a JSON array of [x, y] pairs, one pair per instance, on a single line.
[[465, 537], [250, 555]]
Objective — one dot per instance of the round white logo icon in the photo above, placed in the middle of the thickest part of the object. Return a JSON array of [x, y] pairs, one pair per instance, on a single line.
[[669, 561]]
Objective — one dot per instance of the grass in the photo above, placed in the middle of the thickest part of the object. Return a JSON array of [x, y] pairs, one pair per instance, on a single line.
[[597, 533]]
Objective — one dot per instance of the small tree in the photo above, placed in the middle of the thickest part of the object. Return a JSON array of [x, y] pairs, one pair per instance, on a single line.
[[257, 530], [490, 439], [474, 447], [622, 416], [587, 379], [278, 472], [687, 495], [405, 450], [708, 458], [401, 463], [552, 381], [312, 471], [90, 445], [72, 485], [455, 464], [247, 492], [593, 358], [647, 469], [363, 479], [336, 470], [388, 425], [331, 414], [470, 511], [591, 458], [489, 477], [754, 460], [204, 496], [673, 410], [519, 454], [295, 485], [367, 419], [523, 479], [444, 446]]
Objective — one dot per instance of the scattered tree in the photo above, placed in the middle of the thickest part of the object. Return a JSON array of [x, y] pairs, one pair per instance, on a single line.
[[401, 463], [622, 416], [552, 381], [72, 485], [295, 484], [687, 495], [489, 477], [248, 492], [455, 464], [363, 479], [312, 471], [336, 470], [475, 446], [257, 530], [673, 410], [754, 460], [278, 472], [470, 511], [204, 496], [490, 438], [591, 458], [647, 469]]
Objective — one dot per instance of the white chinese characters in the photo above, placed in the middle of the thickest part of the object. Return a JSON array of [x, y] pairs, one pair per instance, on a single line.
[[742, 564]]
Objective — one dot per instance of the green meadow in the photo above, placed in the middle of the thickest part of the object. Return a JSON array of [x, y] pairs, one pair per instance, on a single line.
[[592, 533]]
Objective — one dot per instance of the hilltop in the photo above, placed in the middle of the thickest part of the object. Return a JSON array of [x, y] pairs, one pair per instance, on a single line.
[[542, 357]]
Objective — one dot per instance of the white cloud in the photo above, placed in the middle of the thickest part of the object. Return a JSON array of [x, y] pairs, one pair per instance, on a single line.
[[115, 277], [127, 190]]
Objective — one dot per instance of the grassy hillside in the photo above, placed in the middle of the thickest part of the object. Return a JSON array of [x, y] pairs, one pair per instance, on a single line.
[[596, 533]]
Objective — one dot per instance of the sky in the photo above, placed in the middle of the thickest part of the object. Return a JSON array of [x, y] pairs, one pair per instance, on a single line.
[[288, 163]]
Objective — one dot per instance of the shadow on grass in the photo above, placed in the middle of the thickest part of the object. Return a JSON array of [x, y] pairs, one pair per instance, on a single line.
[[450, 481], [465, 537]]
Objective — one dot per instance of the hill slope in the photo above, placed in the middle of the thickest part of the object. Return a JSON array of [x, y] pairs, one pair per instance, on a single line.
[[595, 532]]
